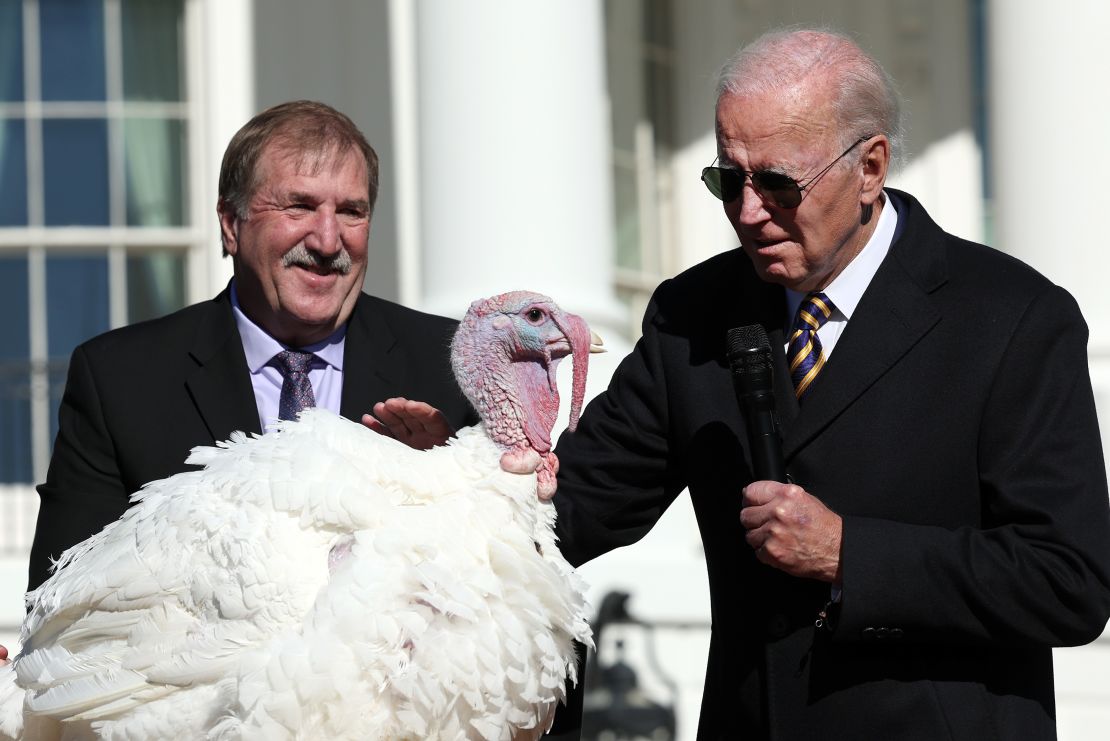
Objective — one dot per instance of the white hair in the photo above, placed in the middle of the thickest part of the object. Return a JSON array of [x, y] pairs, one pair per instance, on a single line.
[[866, 101]]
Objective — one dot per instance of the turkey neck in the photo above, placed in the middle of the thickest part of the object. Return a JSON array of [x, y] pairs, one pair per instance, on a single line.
[[493, 383]]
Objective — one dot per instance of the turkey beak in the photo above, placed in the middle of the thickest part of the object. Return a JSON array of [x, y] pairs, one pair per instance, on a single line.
[[596, 343]]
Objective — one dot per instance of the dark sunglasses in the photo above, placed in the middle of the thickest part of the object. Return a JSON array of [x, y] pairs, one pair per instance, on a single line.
[[783, 191]]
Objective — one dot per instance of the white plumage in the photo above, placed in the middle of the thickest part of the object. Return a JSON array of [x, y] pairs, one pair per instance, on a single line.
[[319, 581]]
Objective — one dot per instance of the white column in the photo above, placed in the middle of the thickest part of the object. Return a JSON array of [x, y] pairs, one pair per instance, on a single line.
[[1050, 114], [514, 154], [222, 73], [1049, 118]]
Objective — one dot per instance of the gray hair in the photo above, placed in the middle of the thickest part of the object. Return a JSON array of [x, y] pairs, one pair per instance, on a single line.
[[866, 101]]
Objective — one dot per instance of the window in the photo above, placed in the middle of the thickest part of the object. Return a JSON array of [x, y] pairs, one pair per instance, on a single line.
[[640, 62], [95, 232]]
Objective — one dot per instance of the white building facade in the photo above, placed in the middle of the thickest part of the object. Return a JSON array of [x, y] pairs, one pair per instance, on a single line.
[[548, 145]]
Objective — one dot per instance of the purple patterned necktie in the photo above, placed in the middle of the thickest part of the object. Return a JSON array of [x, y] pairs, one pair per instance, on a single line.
[[296, 389], [804, 352]]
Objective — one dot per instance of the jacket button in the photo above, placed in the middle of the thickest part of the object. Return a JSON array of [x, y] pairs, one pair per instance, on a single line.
[[777, 625], [896, 633], [868, 634]]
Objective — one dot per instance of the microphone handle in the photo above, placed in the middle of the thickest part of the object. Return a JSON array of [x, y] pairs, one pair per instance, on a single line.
[[764, 441]]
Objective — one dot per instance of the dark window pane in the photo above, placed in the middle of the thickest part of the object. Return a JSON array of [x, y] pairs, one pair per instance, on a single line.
[[75, 159], [72, 49], [155, 178], [152, 38], [13, 172], [155, 284], [76, 309], [56, 371], [16, 465], [76, 300], [15, 342], [11, 50], [15, 372]]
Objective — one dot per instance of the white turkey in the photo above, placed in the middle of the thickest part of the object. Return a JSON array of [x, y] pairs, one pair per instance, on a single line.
[[325, 581]]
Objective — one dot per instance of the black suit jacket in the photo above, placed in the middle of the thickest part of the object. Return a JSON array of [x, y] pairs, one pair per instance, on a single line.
[[954, 431], [139, 398]]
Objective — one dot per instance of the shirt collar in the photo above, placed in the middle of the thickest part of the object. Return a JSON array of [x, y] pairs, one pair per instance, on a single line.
[[260, 347], [847, 289]]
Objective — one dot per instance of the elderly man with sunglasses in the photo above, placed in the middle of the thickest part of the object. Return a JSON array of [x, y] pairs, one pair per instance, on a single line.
[[946, 520]]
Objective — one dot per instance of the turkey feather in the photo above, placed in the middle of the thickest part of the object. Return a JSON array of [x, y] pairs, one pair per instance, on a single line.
[[326, 581]]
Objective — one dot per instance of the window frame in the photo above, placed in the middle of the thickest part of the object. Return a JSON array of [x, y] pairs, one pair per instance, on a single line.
[[37, 241]]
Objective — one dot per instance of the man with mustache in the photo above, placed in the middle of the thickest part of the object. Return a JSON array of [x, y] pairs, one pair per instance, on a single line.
[[296, 194]]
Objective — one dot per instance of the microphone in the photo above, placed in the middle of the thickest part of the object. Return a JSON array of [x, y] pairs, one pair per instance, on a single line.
[[749, 357]]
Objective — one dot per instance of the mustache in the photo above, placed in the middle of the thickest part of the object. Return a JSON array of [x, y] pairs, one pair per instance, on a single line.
[[303, 257]]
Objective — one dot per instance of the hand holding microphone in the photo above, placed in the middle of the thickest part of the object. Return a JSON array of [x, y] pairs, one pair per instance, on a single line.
[[789, 528]]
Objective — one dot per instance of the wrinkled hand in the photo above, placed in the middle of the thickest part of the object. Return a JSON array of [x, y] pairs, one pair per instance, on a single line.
[[792, 530], [416, 424], [528, 461]]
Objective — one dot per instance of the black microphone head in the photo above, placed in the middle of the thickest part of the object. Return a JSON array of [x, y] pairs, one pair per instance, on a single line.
[[749, 357], [747, 340]]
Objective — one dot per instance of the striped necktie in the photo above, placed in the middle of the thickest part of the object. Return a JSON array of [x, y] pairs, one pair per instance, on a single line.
[[296, 389], [804, 352]]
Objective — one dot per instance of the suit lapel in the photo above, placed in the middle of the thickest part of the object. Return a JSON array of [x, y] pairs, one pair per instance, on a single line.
[[374, 362], [892, 317], [220, 384]]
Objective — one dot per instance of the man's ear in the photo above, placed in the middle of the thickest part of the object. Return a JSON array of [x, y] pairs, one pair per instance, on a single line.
[[876, 161], [229, 223]]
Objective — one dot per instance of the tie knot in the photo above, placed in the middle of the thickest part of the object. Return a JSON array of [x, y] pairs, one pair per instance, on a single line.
[[814, 311], [293, 361]]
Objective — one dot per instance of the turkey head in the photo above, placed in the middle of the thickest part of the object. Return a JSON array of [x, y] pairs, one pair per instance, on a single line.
[[505, 354]]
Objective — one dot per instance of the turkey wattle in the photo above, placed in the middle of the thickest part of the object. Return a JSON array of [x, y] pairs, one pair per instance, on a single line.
[[324, 581]]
